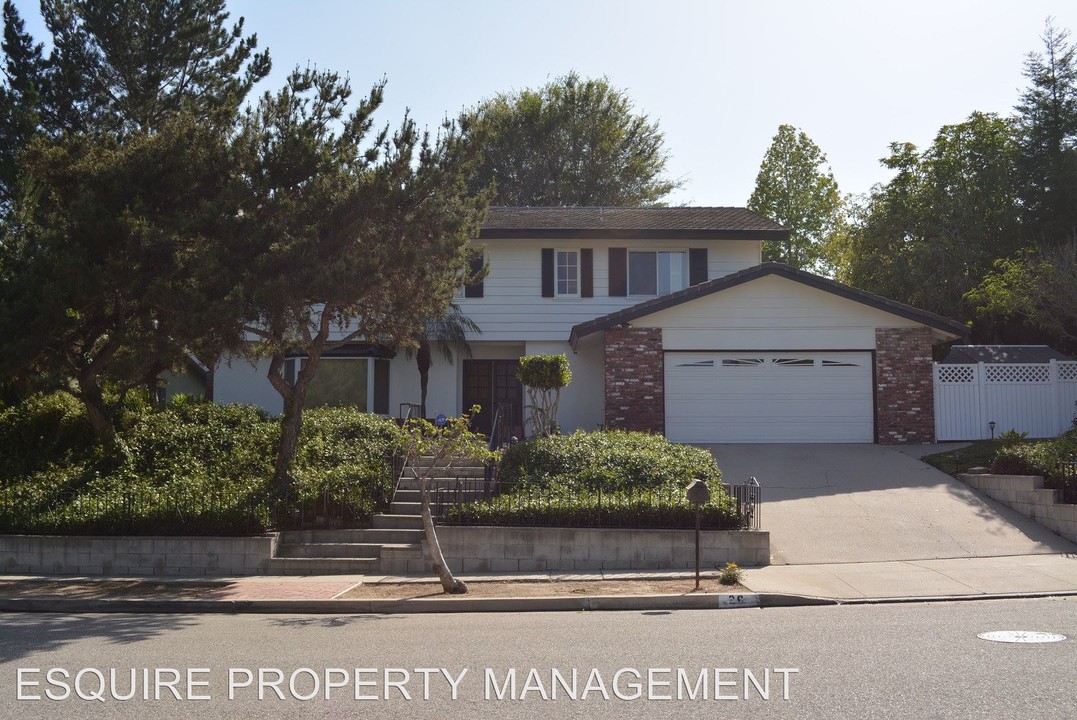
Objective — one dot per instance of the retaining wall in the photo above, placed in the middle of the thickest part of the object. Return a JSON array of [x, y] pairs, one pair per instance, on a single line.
[[529, 549], [1027, 495], [93, 555]]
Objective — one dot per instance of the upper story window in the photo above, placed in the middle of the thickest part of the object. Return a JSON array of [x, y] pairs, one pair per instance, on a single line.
[[568, 273], [657, 272]]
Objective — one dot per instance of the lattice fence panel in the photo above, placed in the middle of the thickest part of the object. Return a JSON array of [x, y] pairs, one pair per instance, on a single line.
[[1067, 371], [957, 373], [1018, 373]]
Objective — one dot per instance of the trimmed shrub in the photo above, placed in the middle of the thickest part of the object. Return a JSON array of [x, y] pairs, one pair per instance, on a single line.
[[44, 429], [1037, 457], [608, 460], [602, 479], [192, 467]]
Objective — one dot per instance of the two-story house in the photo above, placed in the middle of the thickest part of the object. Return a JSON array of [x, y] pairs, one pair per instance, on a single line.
[[672, 324]]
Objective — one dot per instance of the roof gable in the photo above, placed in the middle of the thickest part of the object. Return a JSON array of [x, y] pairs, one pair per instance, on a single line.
[[675, 223], [664, 302]]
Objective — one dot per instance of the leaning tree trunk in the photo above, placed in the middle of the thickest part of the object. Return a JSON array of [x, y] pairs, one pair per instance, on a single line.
[[291, 423], [92, 397], [449, 583]]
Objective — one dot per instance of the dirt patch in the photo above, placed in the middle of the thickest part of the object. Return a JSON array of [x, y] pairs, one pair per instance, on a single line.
[[543, 588]]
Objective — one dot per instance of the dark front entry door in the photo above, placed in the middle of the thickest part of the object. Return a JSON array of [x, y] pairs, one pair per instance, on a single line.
[[488, 383]]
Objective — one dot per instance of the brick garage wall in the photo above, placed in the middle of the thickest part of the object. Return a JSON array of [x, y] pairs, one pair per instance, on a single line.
[[904, 390], [635, 380]]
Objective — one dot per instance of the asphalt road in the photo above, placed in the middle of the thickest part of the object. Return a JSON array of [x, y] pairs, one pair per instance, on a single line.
[[885, 661]]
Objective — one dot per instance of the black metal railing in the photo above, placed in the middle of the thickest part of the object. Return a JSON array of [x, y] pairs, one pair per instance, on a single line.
[[1067, 480], [478, 502]]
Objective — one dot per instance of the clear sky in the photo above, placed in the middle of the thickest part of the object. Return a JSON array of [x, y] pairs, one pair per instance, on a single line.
[[718, 76]]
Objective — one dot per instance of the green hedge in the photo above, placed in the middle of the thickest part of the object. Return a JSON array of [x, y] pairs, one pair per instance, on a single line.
[[190, 468], [1037, 457], [601, 479]]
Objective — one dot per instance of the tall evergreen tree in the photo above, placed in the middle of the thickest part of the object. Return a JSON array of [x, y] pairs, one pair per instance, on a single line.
[[120, 181], [795, 188], [1047, 133]]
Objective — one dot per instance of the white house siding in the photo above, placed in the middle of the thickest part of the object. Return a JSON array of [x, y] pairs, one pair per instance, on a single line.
[[238, 381], [771, 313], [512, 307], [582, 404]]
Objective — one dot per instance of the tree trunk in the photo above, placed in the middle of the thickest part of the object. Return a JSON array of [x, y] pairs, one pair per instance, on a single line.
[[424, 360], [100, 420], [449, 583], [291, 423]]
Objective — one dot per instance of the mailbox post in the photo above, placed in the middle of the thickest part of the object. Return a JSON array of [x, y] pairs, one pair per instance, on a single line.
[[699, 495]]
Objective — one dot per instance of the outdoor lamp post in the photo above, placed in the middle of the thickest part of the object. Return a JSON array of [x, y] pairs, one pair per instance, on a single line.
[[699, 495], [992, 426]]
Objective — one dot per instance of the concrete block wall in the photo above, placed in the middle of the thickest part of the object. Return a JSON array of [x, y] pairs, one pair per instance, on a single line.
[[904, 386], [528, 549], [141, 556], [1027, 495]]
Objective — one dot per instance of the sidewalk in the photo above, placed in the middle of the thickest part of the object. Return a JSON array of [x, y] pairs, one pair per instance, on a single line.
[[768, 586]]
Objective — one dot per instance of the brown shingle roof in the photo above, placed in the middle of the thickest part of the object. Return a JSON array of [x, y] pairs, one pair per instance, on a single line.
[[649, 222]]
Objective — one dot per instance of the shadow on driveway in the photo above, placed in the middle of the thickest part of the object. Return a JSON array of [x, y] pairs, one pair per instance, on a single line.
[[872, 503]]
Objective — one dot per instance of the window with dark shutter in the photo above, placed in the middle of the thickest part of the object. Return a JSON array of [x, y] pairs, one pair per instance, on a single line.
[[587, 273], [618, 272], [697, 266], [547, 272]]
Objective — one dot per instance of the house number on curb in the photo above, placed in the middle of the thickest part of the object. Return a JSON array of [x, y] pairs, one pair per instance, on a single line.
[[738, 601], [1021, 636]]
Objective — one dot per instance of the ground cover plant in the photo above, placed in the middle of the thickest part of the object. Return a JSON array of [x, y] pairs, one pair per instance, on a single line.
[[191, 468], [601, 479]]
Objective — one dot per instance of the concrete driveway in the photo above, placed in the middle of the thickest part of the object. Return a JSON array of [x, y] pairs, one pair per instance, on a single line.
[[871, 503]]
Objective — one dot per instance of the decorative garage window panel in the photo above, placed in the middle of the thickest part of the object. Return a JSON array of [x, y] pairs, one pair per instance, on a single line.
[[700, 364], [1034, 398], [743, 362]]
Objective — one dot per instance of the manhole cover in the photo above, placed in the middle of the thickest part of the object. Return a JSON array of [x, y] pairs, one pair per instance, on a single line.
[[1021, 636]]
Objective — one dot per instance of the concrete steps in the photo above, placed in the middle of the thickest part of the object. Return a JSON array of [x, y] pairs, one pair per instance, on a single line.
[[393, 544]]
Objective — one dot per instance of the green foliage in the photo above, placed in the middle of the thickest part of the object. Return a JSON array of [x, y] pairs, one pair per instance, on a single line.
[[608, 460], [421, 438], [794, 190], [932, 233], [1037, 288], [731, 574], [544, 372], [43, 429], [1012, 437], [571, 142], [189, 468], [1038, 457], [1047, 137], [611, 479]]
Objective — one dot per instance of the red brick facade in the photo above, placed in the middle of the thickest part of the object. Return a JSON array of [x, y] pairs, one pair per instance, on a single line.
[[635, 379], [904, 389]]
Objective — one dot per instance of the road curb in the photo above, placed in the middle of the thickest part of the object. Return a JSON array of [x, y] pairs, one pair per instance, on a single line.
[[478, 605], [413, 605]]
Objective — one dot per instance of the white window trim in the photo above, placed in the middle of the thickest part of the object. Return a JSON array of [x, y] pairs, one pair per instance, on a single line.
[[628, 268], [579, 273]]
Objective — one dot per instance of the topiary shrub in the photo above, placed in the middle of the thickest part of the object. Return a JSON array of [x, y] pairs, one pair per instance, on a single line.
[[544, 376]]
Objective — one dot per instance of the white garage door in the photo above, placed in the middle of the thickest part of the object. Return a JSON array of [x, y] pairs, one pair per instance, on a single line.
[[769, 397]]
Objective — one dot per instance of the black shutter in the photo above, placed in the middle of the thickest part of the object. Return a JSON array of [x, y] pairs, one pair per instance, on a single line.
[[697, 266], [547, 272], [618, 272], [475, 290], [587, 273]]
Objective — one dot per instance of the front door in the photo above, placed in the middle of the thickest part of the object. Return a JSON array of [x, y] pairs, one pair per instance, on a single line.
[[488, 383]]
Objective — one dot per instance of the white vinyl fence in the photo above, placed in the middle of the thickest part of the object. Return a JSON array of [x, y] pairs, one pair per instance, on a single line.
[[1035, 398]]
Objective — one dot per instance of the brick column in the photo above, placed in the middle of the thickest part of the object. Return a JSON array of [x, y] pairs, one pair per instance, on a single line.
[[635, 380], [904, 388]]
